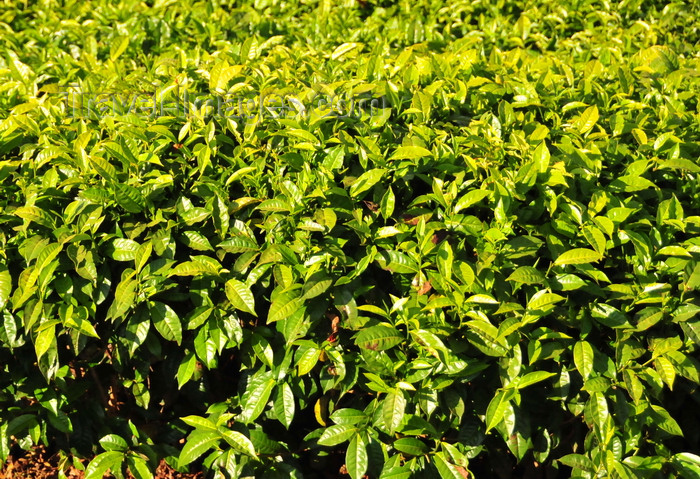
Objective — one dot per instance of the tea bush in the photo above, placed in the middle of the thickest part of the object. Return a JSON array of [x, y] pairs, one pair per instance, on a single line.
[[382, 239]]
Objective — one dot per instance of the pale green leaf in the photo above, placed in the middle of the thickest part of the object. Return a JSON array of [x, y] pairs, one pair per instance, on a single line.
[[578, 256], [98, 467], [410, 153], [186, 370], [587, 120], [379, 337], [240, 296], [238, 441], [532, 378], [166, 321], [113, 442], [255, 400], [497, 408], [393, 409], [337, 434], [5, 285], [119, 46], [356, 459], [197, 444], [283, 405], [366, 181], [284, 306], [446, 469], [396, 262], [583, 358]]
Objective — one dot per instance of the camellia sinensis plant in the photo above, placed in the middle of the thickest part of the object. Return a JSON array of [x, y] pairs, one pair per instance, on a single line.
[[368, 238]]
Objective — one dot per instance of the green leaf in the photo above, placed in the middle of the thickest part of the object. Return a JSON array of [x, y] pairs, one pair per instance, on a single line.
[[679, 164], [123, 249], [577, 461], [446, 469], [497, 408], [110, 460], [633, 385], [348, 416], [666, 370], [541, 157], [9, 331], [142, 255], [526, 275], [481, 299], [596, 411], [45, 340], [199, 423], [387, 203], [138, 467], [690, 328], [129, 198], [595, 238], [640, 136], [240, 296], [283, 405], [284, 306], [587, 120], [5, 285], [249, 49], [112, 442], [308, 360], [337, 434], [543, 300], [578, 256], [687, 464], [239, 442], [124, 298], [255, 400], [35, 214], [674, 250], [410, 446], [532, 378], [193, 268], [103, 167], [379, 338], [393, 409], [20, 424], [316, 285], [197, 444], [410, 153], [597, 384], [343, 49], [470, 198], [609, 316], [166, 321], [567, 282], [186, 370], [238, 244], [658, 59], [664, 421], [583, 358], [197, 241], [221, 73], [445, 259], [431, 342], [119, 46], [396, 262], [366, 181], [356, 459]]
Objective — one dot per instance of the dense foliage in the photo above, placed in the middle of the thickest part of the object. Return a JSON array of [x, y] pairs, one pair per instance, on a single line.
[[490, 267]]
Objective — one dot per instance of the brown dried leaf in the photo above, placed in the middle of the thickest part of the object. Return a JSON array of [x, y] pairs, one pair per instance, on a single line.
[[424, 288]]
